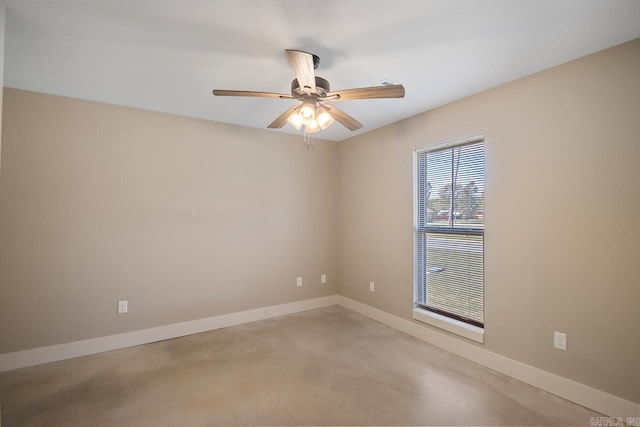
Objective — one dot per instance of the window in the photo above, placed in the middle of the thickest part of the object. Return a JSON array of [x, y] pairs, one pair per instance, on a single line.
[[449, 236]]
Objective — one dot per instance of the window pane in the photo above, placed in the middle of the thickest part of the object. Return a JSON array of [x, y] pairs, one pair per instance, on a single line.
[[424, 214], [454, 275], [454, 188], [421, 268], [468, 175], [438, 176]]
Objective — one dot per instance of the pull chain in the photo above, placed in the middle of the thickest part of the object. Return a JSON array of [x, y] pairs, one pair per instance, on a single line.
[[308, 141]]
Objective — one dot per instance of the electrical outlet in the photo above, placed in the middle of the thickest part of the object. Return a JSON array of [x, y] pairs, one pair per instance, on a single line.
[[123, 306], [560, 340], [372, 287], [299, 281], [323, 279]]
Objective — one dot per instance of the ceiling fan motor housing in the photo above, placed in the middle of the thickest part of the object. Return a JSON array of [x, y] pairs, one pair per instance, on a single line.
[[322, 88]]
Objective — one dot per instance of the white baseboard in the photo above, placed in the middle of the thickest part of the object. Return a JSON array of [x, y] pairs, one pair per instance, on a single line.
[[37, 356], [581, 394]]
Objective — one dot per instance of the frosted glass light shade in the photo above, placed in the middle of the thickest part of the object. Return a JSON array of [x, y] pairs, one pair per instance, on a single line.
[[308, 110], [295, 120], [312, 126], [323, 117]]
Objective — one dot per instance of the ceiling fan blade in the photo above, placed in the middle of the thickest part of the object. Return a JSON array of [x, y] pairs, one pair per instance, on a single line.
[[224, 92], [343, 118], [391, 91], [281, 120], [302, 63]]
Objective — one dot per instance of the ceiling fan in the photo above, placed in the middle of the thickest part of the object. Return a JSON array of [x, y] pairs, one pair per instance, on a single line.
[[314, 114]]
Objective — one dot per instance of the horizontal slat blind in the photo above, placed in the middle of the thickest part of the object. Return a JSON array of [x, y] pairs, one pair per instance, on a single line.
[[450, 231]]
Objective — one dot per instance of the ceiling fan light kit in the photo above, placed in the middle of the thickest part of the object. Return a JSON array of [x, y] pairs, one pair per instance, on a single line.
[[312, 90], [313, 117]]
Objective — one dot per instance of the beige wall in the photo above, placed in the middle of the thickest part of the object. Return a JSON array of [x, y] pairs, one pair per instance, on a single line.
[[184, 218], [562, 244], [2, 24]]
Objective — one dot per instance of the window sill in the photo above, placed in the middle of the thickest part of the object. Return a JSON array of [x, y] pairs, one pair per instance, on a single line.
[[457, 327]]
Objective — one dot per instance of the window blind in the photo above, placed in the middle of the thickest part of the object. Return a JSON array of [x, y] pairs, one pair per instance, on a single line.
[[450, 231]]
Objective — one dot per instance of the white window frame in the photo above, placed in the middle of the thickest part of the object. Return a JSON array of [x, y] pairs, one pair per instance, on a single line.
[[445, 323]]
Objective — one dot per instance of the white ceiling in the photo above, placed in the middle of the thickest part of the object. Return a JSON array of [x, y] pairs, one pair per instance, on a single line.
[[168, 55]]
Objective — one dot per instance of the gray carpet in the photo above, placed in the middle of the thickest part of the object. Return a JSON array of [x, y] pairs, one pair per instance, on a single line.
[[323, 367]]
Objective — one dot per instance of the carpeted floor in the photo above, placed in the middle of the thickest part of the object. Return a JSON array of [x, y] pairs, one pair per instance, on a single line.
[[323, 367]]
